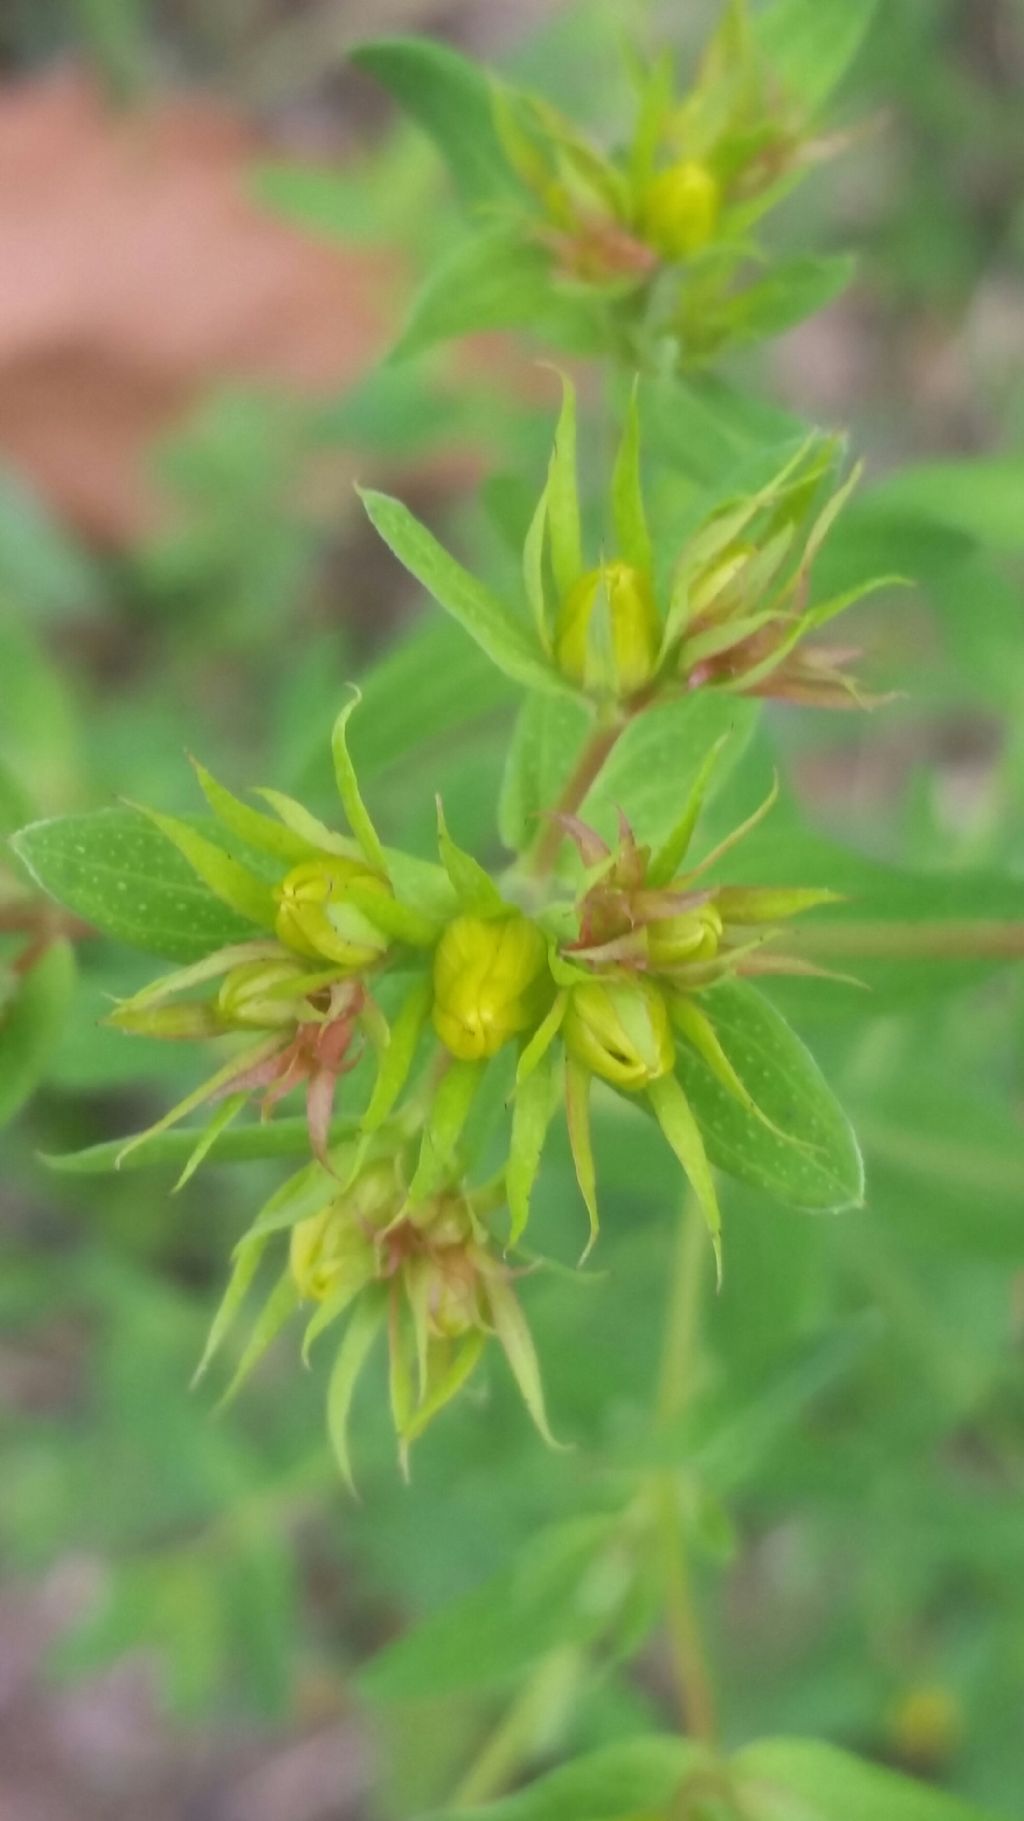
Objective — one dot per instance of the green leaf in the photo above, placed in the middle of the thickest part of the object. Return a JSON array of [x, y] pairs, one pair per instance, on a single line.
[[494, 1633], [789, 292], [981, 498], [507, 643], [811, 43], [399, 1052], [497, 279], [653, 766], [116, 871], [170, 1150], [802, 1780], [549, 736], [30, 1024], [564, 533], [821, 1169], [682, 1131], [450, 98], [243, 891], [630, 1781]]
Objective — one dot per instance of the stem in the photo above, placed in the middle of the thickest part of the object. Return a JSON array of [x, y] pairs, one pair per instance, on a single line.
[[526, 1725], [595, 752], [675, 1385]]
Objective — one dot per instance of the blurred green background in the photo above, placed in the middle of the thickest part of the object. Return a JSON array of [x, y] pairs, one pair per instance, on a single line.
[[209, 229]]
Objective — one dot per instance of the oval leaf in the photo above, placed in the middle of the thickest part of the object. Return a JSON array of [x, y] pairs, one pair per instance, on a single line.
[[821, 1170]]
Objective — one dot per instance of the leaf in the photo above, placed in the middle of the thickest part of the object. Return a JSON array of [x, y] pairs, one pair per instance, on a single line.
[[980, 498], [811, 43], [791, 291], [629, 1781], [450, 98], [821, 1169], [507, 643], [31, 1023], [243, 891], [116, 871], [398, 1054], [564, 533], [497, 279], [658, 759], [548, 739], [276, 1138], [449, 1110], [494, 1633], [802, 1780]]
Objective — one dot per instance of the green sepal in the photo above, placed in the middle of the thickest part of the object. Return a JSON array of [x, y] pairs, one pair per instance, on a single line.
[[676, 1119], [533, 1053], [577, 1116], [318, 838], [279, 1306], [242, 891], [221, 1119], [366, 1323], [358, 815], [473, 886], [628, 514], [398, 1054], [251, 825], [531, 1116], [449, 1110], [245, 1264], [463, 1360], [666, 862], [247, 1059], [511, 1330]]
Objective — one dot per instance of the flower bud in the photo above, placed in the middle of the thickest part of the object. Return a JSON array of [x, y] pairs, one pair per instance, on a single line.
[[337, 1245], [453, 1302], [620, 1031], [717, 592], [680, 209], [692, 936], [316, 918], [248, 994], [608, 632], [490, 982]]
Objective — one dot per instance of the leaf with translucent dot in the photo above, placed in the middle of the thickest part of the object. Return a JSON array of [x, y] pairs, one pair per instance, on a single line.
[[116, 871], [811, 1159]]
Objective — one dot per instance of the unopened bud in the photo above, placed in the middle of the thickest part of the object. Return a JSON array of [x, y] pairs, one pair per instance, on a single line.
[[490, 982], [256, 993], [317, 918], [680, 209], [336, 1246], [453, 1302], [692, 936], [620, 1031], [608, 634]]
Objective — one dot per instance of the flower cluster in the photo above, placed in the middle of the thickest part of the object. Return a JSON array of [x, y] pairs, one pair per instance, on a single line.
[[734, 610], [669, 220], [431, 972]]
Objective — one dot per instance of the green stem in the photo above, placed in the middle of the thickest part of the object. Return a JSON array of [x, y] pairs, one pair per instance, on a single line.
[[544, 853], [675, 1386], [523, 1730]]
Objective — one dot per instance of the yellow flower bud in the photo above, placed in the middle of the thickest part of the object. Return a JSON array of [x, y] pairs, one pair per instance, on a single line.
[[620, 653], [692, 936], [247, 995], [680, 209], [336, 1246], [490, 982], [620, 1031], [926, 1725], [316, 918]]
